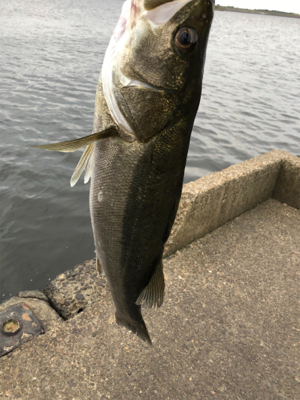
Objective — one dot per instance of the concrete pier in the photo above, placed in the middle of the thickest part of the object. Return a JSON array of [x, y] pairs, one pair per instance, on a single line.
[[230, 324]]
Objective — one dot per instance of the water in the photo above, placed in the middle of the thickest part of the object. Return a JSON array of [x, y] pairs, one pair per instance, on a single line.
[[51, 55]]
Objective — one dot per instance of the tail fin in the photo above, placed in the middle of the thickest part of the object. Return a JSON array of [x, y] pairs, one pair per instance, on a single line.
[[136, 327]]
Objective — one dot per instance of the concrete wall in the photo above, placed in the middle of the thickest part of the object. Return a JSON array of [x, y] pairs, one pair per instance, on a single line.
[[287, 189], [219, 197]]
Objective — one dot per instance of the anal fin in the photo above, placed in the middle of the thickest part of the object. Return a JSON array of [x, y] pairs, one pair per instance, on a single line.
[[153, 294]]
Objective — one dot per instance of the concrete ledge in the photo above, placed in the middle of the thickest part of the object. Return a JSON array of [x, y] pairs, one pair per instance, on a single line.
[[210, 202], [288, 184], [205, 205], [71, 292]]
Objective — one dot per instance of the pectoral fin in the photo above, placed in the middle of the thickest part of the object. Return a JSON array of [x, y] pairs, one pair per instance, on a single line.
[[73, 145], [85, 163], [153, 294]]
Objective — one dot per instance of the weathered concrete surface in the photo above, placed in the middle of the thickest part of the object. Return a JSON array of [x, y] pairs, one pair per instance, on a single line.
[[71, 292], [219, 197], [229, 327], [38, 304], [288, 184]]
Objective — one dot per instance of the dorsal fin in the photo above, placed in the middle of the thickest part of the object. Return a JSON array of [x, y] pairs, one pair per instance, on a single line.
[[153, 294], [73, 145]]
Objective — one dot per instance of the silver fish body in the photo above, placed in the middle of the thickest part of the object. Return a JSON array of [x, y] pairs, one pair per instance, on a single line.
[[136, 186], [135, 191], [147, 98]]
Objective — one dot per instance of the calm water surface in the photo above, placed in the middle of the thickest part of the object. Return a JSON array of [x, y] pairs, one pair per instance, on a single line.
[[51, 55]]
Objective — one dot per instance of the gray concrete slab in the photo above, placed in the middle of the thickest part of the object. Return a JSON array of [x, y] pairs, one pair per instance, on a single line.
[[229, 327]]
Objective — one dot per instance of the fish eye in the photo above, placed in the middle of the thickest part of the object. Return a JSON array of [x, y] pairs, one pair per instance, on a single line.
[[185, 38]]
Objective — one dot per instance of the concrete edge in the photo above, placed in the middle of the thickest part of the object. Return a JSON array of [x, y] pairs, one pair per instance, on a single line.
[[288, 184], [213, 200]]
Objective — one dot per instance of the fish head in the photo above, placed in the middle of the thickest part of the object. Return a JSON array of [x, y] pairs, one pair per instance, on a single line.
[[153, 68]]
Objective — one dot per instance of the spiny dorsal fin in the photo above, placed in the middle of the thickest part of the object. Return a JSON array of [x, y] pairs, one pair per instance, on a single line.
[[84, 164], [73, 145], [153, 294]]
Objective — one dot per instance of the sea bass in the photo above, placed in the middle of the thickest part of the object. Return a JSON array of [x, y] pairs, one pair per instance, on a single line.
[[147, 98]]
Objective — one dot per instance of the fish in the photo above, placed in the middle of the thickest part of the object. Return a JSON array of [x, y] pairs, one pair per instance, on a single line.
[[147, 98]]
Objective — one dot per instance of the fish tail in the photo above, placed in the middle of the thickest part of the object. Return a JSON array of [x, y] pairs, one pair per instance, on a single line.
[[138, 327]]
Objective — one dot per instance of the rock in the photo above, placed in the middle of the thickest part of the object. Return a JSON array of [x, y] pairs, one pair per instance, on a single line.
[[39, 306], [71, 292], [34, 294]]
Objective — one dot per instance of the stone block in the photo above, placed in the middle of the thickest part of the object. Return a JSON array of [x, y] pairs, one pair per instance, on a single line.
[[71, 292]]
